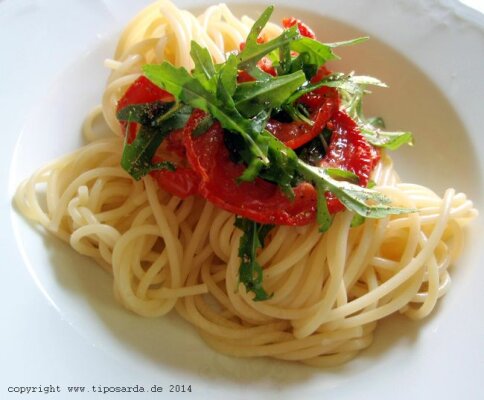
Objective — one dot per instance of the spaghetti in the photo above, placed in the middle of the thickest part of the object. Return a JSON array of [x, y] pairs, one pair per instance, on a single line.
[[329, 290]]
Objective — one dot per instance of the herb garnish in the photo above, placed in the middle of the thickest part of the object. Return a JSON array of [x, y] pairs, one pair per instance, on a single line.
[[243, 109], [250, 272], [156, 121]]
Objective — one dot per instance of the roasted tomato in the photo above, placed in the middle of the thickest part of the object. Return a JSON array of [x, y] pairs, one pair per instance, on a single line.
[[182, 182], [259, 200]]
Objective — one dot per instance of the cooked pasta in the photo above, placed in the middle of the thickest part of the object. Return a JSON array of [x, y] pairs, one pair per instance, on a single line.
[[165, 253]]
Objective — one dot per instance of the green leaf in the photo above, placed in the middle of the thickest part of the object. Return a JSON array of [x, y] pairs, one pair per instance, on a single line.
[[203, 126], [227, 81], [283, 166], [376, 122], [144, 113], [137, 156], [168, 77], [350, 42], [342, 175], [250, 271], [188, 89], [204, 69], [253, 97], [258, 25], [357, 220], [352, 90], [363, 201], [247, 59], [302, 63], [386, 139], [318, 53], [298, 112], [323, 217]]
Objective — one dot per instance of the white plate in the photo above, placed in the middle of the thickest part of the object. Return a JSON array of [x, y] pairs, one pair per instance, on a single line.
[[60, 323]]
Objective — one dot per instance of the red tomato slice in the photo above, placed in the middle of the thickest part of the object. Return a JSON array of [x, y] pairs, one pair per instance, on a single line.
[[297, 133], [213, 175], [322, 103], [263, 201], [182, 182], [259, 200], [348, 150], [142, 90]]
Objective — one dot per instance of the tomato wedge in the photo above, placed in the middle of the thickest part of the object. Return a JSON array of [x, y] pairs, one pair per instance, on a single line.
[[182, 182]]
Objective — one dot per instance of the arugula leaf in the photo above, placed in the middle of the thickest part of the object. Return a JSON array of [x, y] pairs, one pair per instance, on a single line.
[[188, 89], [376, 122], [227, 81], [168, 77], [352, 89], [258, 26], [302, 63], [250, 271], [137, 156], [285, 60], [253, 97], [323, 217], [388, 140], [204, 69], [363, 201], [144, 113], [243, 110], [253, 52], [298, 112], [317, 53], [203, 126], [283, 166], [350, 42], [342, 175]]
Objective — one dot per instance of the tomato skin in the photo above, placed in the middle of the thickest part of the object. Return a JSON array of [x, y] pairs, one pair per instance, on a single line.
[[322, 103], [304, 30], [348, 150], [297, 133], [263, 201], [182, 182], [259, 200], [206, 168], [142, 90]]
